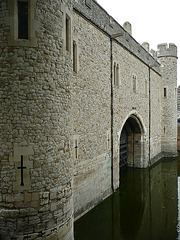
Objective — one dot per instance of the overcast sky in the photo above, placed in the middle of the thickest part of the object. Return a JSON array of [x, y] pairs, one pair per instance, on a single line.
[[154, 21]]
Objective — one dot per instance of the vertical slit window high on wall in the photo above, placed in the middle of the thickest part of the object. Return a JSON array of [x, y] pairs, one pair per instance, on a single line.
[[67, 33], [134, 84], [115, 74], [165, 92], [146, 89], [22, 19], [74, 57], [76, 149]]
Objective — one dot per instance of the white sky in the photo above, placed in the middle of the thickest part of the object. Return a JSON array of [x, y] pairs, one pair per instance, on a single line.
[[155, 21]]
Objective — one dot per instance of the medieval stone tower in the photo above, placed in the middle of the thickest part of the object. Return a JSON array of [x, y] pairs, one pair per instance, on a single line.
[[77, 102], [35, 157], [167, 56]]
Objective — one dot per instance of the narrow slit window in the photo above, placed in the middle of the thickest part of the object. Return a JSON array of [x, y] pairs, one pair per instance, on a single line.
[[165, 92], [117, 75], [146, 88], [22, 19], [76, 148], [114, 73], [108, 137], [175, 92], [67, 33], [74, 57], [134, 84], [108, 141]]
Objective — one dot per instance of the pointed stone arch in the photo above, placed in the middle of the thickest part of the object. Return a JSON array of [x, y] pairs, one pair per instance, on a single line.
[[131, 143]]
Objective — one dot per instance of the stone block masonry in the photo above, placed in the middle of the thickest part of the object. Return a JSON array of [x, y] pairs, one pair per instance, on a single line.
[[167, 56], [36, 164], [137, 103], [66, 96]]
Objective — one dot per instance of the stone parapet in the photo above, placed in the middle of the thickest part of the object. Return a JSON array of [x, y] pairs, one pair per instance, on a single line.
[[165, 50], [101, 19]]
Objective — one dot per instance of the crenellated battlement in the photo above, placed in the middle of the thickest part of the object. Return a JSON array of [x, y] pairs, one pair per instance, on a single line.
[[127, 26], [146, 46], [165, 50], [90, 9]]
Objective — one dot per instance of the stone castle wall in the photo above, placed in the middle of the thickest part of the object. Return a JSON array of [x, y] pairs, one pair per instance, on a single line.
[[58, 122], [91, 116], [35, 126], [91, 109], [167, 56]]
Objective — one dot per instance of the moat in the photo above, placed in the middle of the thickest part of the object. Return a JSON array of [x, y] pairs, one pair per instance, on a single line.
[[146, 206]]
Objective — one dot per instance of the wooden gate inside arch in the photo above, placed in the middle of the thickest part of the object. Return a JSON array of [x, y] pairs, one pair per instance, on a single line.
[[131, 149], [123, 148]]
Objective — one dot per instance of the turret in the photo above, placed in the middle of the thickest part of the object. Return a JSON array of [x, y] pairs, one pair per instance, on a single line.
[[167, 56], [35, 97], [127, 26], [146, 46], [167, 51]]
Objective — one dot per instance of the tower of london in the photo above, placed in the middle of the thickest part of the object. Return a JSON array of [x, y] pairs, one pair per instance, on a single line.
[[79, 98]]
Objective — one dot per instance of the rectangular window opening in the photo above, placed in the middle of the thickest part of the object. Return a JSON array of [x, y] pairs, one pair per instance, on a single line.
[[23, 19], [67, 33], [146, 89], [115, 74], [134, 84], [74, 57], [165, 92], [175, 92]]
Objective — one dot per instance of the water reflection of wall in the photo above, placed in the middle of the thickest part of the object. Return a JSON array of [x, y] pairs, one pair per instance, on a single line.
[[145, 207], [164, 201], [178, 223], [150, 209], [178, 180], [132, 202]]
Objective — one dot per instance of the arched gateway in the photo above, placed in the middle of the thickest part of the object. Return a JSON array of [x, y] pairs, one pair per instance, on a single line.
[[131, 152]]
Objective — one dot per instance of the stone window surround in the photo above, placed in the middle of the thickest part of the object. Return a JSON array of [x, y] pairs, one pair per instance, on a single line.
[[175, 92], [146, 88], [12, 20], [134, 84], [75, 56], [66, 14], [68, 33], [116, 74]]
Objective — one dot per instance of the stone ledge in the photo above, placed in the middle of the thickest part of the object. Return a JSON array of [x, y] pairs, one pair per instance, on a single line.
[[14, 213]]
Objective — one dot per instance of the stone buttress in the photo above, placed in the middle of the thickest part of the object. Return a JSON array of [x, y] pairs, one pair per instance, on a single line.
[[35, 101]]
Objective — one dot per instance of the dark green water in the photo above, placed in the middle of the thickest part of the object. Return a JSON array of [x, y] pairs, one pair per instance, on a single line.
[[144, 208]]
